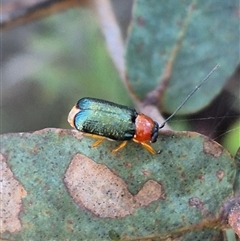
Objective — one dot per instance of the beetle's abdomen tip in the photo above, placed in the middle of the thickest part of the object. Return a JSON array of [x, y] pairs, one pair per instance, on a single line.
[[72, 114]]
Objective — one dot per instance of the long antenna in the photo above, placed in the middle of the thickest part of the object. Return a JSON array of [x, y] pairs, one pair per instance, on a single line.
[[187, 98]]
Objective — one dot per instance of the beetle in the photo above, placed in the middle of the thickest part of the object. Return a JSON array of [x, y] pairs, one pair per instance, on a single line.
[[104, 119]]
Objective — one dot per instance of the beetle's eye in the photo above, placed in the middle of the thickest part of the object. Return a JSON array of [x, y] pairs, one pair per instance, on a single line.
[[155, 132], [134, 116]]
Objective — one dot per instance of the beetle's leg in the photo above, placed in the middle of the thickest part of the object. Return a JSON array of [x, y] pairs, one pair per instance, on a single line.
[[119, 147], [97, 142], [146, 146]]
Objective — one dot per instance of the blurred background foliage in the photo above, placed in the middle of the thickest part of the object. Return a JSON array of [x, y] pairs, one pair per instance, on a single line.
[[55, 62], [49, 64]]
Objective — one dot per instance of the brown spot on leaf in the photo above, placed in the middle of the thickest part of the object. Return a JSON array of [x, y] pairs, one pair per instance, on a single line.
[[69, 226], [220, 175], [234, 219], [195, 203], [227, 207], [127, 164], [146, 173], [213, 148], [11, 193], [201, 177], [150, 191], [97, 189], [183, 175]]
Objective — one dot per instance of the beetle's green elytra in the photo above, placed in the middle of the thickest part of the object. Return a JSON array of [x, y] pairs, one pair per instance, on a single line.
[[106, 119]]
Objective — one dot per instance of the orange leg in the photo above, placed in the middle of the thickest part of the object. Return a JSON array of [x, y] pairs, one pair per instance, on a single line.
[[146, 146], [97, 142], [119, 147]]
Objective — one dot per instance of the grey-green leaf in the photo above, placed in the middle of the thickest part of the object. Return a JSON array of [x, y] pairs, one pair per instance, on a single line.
[[62, 189], [193, 36]]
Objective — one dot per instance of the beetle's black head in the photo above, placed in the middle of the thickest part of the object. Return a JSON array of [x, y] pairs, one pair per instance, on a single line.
[[155, 132]]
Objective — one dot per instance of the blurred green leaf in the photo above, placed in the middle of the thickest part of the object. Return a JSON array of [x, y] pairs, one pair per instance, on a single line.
[[71, 62], [204, 33], [79, 64], [195, 175], [231, 139], [237, 180]]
